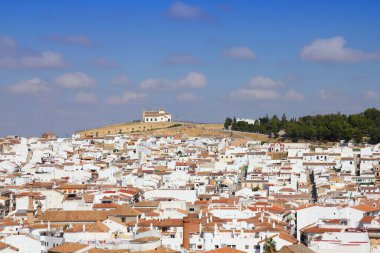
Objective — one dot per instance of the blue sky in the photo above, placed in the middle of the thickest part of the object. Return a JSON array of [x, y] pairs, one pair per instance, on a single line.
[[71, 65]]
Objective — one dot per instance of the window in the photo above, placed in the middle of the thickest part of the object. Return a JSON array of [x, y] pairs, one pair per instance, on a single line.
[[246, 247], [191, 209]]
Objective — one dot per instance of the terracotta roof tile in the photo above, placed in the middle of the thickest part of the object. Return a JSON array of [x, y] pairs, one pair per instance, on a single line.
[[68, 248]]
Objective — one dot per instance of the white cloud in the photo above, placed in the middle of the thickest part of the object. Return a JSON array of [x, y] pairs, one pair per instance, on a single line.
[[180, 59], [242, 53], [264, 83], [334, 50], [187, 97], [120, 80], [70, 39], [74, 80], [32, 86], [12, 56], [103, 63], [85, 98], [126, 98], [7, 44], [263, 88], [293, 78], [154, 83], [46, 59], [257, 94], [370, 94], [180, 10], [191, 80], [328, 95], [293, 95]]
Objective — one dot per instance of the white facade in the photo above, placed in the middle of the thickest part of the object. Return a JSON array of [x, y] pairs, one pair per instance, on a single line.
[[342, 242], [156, 116], [249, 121]]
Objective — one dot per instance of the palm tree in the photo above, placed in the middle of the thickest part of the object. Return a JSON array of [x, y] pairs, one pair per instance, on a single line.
[[269, 246]]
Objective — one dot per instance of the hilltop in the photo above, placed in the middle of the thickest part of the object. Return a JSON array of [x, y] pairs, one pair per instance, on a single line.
[[169, 128]]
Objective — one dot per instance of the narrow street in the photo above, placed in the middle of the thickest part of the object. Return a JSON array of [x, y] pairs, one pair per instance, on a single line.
[[314, 193]]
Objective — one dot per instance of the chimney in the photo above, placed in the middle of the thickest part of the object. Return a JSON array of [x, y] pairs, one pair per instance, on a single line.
[[30, 211], [186, 233], [39, 209]]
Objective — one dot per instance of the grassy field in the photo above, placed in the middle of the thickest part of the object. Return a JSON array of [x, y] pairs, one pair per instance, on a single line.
[[170, 128]]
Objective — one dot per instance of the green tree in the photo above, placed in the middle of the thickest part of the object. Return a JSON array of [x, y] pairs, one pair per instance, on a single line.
[[234, 124], [269, 246], [375, 135], [256, 188], [227, 123], [274, 125], [372, 113], [284, 121], [329, 127]]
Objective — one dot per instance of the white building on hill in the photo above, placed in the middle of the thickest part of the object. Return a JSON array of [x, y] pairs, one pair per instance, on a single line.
[[249, 121], [157, 116]]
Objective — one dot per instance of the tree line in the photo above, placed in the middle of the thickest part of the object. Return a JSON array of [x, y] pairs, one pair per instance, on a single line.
[[359, 127]]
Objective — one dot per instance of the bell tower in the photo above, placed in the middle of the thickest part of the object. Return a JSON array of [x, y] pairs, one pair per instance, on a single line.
[[30, 211]]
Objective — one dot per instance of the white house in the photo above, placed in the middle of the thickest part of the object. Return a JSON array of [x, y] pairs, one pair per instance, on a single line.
[[355, 242], [156, 116], [249, 121]]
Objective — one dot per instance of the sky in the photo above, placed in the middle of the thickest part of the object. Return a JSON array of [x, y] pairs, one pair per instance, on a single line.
[[74, 65]]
